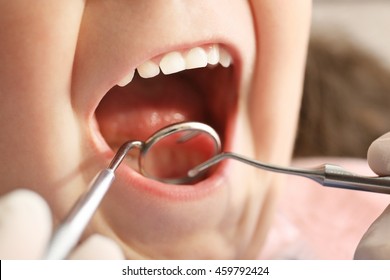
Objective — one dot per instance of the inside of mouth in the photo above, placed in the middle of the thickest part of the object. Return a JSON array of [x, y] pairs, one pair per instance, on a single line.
[[138, 110], [170, 158]]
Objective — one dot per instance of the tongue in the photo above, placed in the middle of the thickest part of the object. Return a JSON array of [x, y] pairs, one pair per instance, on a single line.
[[136, 111]]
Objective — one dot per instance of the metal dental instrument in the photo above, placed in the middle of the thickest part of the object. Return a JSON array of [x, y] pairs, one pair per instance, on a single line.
[[327, 174], [205, 145], [69, 232], [71, 228]]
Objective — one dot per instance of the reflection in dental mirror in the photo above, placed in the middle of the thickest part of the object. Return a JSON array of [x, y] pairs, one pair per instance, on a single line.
[[170, 158], [171, 152]]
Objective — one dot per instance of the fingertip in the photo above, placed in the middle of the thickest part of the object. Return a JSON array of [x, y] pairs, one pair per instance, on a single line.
[[375, 244], [378, 155], [98, 247], [25, 225]]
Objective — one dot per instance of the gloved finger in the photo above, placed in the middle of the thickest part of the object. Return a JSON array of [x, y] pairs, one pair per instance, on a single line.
[[25, 225], [97, 247], [375, 244], [378, 155]]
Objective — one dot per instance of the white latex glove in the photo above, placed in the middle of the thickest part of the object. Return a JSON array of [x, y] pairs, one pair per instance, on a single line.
[[375, 243], [26, 225]]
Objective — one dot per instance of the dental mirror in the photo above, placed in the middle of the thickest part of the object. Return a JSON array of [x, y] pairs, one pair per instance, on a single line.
[[169, 153]]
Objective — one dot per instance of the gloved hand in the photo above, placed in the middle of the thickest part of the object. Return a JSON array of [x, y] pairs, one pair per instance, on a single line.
[[26, 226], [375, 243]]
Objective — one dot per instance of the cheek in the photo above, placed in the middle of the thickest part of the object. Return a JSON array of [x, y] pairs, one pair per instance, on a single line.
[[36, 118], [36, 55], [282, 35], [37, 44]]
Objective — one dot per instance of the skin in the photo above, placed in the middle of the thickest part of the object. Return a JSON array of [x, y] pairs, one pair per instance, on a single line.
[[54, 57]]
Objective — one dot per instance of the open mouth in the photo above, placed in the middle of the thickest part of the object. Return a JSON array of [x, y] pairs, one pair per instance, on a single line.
[[197, 84]]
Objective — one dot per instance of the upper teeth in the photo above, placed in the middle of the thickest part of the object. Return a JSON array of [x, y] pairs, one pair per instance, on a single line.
[[175, 61]]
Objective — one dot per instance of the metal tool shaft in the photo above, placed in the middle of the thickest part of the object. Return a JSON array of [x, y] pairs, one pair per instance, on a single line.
[[69, 232], [326, 175]]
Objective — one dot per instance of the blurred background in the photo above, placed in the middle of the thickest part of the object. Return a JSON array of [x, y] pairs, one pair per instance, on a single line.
[[346, 102], [366, 22]]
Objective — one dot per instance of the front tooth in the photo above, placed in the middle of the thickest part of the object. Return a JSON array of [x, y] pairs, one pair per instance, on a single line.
[[148, 69], [126, 79], [172, 62], [224, 58], [196, 58], [213, 55]]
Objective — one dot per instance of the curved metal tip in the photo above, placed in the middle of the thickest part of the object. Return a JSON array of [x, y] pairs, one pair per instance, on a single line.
[[122, 152], [193, 173]]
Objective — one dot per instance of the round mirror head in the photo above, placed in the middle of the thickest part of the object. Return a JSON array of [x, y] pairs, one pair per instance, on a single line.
[[171, 152]]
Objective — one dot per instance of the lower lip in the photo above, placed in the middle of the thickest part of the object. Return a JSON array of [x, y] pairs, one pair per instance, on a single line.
[[126, 177]]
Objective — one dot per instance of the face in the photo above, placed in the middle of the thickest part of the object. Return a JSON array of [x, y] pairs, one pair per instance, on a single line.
[[63, 115]]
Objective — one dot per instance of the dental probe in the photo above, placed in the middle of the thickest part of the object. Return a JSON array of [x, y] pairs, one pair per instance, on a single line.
[[67, 235], [327, 174]]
